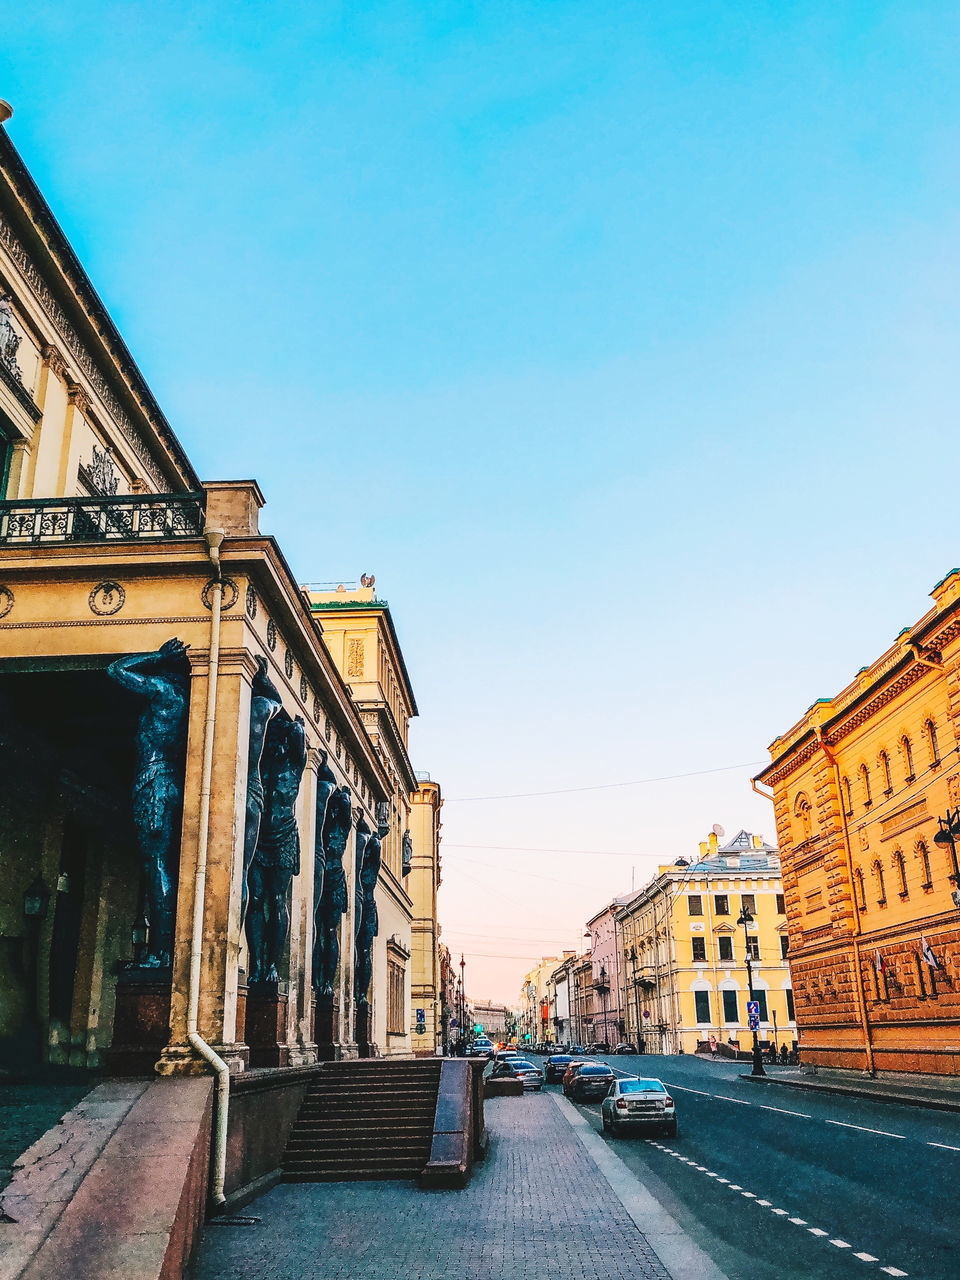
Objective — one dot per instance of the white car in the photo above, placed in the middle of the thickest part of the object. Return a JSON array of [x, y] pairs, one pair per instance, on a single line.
[[634, 1103]]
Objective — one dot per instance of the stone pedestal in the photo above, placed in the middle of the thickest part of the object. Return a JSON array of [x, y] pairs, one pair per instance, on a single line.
[[324, 1029], [141, 1022], [266, 1025], [361, 1025]]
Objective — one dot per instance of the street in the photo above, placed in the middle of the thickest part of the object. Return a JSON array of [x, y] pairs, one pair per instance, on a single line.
[[774, 1182]]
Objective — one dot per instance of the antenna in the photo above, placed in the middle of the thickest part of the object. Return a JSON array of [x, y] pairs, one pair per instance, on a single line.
[[718, 831]]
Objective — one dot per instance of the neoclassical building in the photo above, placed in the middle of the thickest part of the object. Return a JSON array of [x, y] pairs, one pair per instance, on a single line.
[[866, 793], [204, 791], [684, 940]]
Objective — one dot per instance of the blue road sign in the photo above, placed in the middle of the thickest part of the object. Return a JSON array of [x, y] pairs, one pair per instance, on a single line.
[[753, 1014]]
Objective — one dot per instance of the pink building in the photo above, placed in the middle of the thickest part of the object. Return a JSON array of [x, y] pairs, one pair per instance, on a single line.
[[608, 1016]]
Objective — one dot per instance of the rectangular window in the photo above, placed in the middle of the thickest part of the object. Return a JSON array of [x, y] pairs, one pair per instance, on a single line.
[[749, 903], [720, 904], [730, 1007], [396, 1003], [781, 905], [726, 948], [791, 1016], [784, 946], [699, 949], [703, 1005], [753, 947], [761, 999], [695, 905]]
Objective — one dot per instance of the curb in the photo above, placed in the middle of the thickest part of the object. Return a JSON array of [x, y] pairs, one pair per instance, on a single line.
[[850, 1091]]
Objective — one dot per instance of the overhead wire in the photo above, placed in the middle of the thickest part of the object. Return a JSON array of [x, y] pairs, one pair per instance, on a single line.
[[608, 786]]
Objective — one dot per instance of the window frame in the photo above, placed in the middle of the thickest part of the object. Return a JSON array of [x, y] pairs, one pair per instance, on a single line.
[[694, 898], [694, 941], [726, 998], [701, 1001], [725, 940], [725, 899]]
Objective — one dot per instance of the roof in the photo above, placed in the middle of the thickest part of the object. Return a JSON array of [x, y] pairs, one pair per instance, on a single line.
[[742, 842]]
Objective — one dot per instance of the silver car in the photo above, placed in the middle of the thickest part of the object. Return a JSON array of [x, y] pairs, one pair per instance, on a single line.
[[638, 1104], [518, 1069]]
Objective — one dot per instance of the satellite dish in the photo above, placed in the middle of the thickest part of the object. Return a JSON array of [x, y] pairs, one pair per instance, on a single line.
[[718, 831]]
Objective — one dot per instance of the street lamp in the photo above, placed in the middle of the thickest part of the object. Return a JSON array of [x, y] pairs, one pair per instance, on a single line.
[[947, 835], [636, 991], [603, 987], [746, 918]]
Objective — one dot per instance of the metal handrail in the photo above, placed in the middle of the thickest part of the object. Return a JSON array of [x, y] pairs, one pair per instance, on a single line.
[[132, 517]]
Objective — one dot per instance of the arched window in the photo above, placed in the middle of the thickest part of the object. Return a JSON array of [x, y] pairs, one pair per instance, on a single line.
[[900, 866], [859, 889], [907, 750], [930, 733], [802, 810], [865, 783], [847, 796], [924, 857], [884, 762], [881, 887]]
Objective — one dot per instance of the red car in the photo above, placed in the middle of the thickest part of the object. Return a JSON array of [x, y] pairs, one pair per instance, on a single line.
[[570, 1075]]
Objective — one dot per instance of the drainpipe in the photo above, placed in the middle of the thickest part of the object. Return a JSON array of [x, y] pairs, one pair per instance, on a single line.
[[861, 1002], [213, 537]]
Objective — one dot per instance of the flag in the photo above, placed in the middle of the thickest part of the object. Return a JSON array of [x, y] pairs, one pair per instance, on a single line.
[[927, 952], [881, 966]]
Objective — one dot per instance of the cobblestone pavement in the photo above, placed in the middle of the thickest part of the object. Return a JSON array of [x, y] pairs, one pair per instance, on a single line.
[[537, 1206]]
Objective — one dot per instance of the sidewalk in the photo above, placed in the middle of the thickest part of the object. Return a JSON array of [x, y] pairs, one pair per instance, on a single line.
[[537, 1206], [938, 1093]]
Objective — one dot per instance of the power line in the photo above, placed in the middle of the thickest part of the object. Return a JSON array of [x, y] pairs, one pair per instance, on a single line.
[[607, 786], [522, 848]]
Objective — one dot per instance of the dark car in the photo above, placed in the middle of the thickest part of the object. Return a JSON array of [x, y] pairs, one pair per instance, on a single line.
[[625, 1048], [591, 1081], [555, 1066], [518, 1069], [573, 1068]]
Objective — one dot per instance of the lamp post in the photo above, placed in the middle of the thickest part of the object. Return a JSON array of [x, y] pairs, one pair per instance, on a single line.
[[603, 987], [636, 991], [947, 835], [463, 989], [746, 918]]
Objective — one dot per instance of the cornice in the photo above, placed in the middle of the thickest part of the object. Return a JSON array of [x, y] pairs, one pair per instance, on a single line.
[[42, 227]]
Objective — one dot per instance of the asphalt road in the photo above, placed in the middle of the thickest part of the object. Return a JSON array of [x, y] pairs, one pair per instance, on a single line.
[[776, 1183]]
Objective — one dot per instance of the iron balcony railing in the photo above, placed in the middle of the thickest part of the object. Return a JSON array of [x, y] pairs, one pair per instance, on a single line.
[[127, 518]]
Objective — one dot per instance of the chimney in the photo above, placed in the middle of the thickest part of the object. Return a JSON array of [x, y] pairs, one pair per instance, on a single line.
[[713, 841]]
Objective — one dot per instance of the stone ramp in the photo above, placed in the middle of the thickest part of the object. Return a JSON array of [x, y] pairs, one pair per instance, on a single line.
[[535, 1207], [116, 1190]]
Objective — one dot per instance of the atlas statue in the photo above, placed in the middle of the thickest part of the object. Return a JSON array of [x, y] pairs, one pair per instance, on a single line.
[[333, 898], [277, 857], [264, 705], [163, 679], [326, 785], [368, 924]]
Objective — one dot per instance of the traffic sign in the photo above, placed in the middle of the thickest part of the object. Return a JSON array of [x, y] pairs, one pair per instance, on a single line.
[[454, 1022], [421, 1016], [753, 1014], [420, 1028]]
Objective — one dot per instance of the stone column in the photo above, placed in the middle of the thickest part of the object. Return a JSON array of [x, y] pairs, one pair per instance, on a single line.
[[303, 1048], [221, 929]]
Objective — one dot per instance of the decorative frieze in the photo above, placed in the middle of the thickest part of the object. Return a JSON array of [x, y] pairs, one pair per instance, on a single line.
[[71, 338]]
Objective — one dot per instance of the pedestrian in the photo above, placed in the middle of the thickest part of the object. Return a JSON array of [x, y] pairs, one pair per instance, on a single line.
[[713, 1046], [784, 1054]]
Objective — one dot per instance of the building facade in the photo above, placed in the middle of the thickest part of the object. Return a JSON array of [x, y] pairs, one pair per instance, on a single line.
[[194, 839], [684, 950], [865, 792], [608, 1024], [536, 999], [424, 881]]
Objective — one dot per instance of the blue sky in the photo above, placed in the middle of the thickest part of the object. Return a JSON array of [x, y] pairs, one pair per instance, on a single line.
[[618, 340]]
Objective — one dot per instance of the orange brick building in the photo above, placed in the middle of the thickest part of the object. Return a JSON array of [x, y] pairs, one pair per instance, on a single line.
[[862, 786]]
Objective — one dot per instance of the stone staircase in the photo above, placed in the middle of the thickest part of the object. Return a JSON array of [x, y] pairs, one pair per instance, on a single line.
[[367, 1119]]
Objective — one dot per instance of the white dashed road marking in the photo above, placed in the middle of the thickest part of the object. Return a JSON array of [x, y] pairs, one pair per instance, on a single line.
[[784, 1112], [944, 1145], [726, 1098], [817, 1232], [884, 1133]]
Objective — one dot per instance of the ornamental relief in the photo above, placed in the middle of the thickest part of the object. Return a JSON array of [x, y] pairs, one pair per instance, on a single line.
[[70, 337], [6, 601], [106, 599], [355, 659]]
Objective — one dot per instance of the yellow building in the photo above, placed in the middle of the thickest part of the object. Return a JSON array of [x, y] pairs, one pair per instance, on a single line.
[[359, 633], [112, 548], [536, 1000], [859, 786], [684, 950], [424, 881]]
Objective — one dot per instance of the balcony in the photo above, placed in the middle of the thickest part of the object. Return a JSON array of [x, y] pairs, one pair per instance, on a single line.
[[128, 518]]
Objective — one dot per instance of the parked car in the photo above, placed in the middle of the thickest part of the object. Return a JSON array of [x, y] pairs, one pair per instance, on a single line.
[[632, 1103], [577, 1048], [501, 1055], [625, 1048], [555, 1066], [518, 1069], [571, 1073], [598, 1047], [591, 1081]]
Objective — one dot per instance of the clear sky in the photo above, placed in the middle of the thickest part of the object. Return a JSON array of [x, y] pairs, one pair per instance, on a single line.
[[618, 340]]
